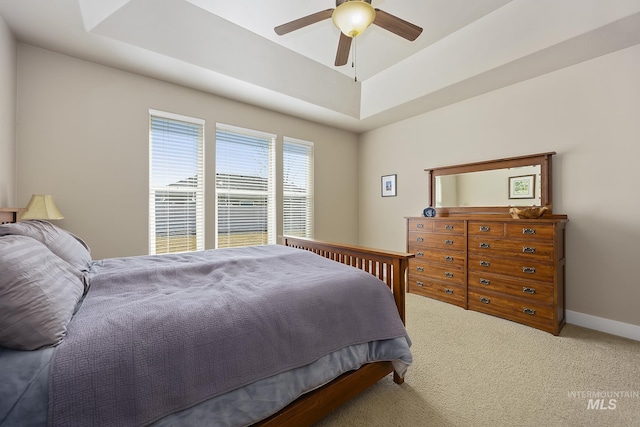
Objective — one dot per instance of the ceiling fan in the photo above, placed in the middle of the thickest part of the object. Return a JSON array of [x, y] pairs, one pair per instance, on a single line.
[[352, 17]]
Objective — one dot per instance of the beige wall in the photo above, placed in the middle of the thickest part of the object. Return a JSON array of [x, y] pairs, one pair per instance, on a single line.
[[8, 65], [83, 137], [589, 114]]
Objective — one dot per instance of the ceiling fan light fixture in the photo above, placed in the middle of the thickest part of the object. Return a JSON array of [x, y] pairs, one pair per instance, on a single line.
[[353, 17]]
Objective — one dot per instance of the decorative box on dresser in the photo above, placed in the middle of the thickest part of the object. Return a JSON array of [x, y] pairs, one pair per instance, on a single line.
[[485, 258]]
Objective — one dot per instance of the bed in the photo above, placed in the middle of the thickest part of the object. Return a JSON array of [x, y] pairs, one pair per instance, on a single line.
[[219, 337]]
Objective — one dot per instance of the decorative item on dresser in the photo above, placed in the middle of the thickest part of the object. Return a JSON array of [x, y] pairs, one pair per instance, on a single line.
[[481, 258]]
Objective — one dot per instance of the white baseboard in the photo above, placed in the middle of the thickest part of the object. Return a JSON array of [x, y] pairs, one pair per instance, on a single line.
[[601, 324]]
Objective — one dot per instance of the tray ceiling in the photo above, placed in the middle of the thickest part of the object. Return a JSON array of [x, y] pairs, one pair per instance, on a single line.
[[229, 48]]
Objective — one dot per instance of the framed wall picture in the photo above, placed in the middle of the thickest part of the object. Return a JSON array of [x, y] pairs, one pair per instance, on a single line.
[[389, 185], [522, 187]]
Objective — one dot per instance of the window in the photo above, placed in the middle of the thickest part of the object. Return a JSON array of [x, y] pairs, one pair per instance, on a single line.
[[297, 165], [245, 187], [176, 183]]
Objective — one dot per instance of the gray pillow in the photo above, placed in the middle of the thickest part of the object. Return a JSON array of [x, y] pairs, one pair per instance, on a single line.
[[38, 294], [62, 243]]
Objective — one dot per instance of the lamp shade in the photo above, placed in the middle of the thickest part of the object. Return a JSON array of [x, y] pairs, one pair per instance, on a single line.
[[353, 17], [41, 207]]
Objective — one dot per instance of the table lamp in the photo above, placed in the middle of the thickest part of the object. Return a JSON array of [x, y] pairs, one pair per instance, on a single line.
[[41, 207]]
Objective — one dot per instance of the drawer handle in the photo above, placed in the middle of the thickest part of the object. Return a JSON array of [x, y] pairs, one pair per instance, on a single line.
[[485, 245], [448, 227], [528, 250], [448, 242], [529, 311], [528, 231], [449, 275], [527, 290], [485, 282], [420, 239], [485, 263], [420, 284], [419, 253], [448, 258], [485, 228], [420, 269], [448, 291], [530, 270], [420, 225], [485, 300]]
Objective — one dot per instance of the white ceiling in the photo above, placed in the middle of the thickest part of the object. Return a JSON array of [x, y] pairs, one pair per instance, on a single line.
[[229, 48]]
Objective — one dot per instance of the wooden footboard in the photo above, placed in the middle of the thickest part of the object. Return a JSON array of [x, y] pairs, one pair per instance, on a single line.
[[391, 268]]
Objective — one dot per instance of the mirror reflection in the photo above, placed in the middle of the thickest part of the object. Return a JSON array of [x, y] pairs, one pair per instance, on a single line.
[[517, 186]]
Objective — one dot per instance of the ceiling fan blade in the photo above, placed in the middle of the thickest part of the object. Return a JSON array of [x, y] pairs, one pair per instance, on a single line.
[[396, 25], [303, 22], [344, 46]]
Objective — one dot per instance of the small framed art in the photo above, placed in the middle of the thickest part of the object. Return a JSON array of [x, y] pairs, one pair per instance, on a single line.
[[389, 185], [522, 187]]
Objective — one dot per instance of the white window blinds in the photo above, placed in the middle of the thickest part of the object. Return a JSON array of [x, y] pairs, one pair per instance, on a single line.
[[245, 187], [176, 183], [297, 163]]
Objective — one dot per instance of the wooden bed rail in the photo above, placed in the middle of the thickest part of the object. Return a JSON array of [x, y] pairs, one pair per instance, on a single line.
[[390, 267]]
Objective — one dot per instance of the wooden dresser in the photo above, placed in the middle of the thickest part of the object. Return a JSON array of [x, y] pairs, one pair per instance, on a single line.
[[510, 268]]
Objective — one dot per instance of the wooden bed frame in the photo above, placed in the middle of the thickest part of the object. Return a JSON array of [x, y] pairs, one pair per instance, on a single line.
[[391, 268]]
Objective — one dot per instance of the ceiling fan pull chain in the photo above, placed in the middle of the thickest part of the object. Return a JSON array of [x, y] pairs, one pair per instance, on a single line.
[[353, 64]]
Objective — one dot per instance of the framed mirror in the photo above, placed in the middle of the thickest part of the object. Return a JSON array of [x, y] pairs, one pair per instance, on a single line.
[[492, 186]]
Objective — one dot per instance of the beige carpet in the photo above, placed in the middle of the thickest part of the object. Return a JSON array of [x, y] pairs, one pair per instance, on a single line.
[[472, 369]]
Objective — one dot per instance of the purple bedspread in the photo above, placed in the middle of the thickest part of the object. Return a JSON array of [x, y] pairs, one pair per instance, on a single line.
[[157, 334]]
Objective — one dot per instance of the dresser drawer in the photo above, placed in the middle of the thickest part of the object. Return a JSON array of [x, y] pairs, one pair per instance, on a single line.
[[530, 291], [497, 247], [447, 274], [424, 225], [524, 268], [487, 229], [435, 241], [428, 225], [448, 227], [530, 231], [511, 308], [451, 258], [444, 292]]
